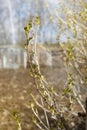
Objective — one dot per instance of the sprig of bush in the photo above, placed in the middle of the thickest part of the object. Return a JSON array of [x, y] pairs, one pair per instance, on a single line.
[[75, 54]]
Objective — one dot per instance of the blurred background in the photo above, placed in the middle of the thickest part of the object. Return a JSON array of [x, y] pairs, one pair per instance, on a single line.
[[14, 17]]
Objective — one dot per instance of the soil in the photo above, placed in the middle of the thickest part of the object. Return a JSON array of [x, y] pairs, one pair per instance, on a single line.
[[15, 88]]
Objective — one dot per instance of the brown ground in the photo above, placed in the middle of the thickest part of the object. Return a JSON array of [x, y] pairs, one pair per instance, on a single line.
[[15, 89]]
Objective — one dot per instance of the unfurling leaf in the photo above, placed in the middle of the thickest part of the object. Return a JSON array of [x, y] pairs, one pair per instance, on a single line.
[[38, 20]]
